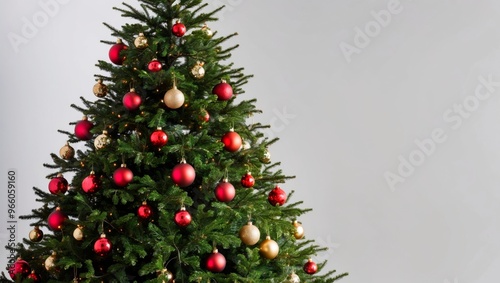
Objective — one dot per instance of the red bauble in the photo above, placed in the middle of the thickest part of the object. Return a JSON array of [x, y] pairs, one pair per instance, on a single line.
[[144, 212], [155, 66], [114, 52], [132, 100], [205, 117], [277, 197], [20, 267], [82, 129], [247, 180], [103, 246], [182, 217], [123, 176], [179, 29], [58, 185], [91, 183], [158, 138], [223, 90], [33, 276], [56, 219], [216, 262], [310, 267], [183, 174], [232, 141], [224, 191]]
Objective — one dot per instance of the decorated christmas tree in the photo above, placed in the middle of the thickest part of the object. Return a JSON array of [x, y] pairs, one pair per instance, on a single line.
[[169, 180]]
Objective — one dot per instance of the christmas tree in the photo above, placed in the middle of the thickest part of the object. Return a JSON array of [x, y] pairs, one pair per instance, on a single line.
[[169, 181]]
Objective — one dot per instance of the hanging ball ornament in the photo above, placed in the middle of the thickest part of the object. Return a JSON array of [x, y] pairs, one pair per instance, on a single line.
[[198, 71], [246, 145], [67, 152], [100, 89], [293, 278], [269, 248], [208, 32], [266, 157], [249, 234], [132, 100], [223, 90], [115, 50], [310, 267], [232, 141], [20, 268], [141, 41], [155, 66], [50, 262], [103, 246], [179, 29], [102, 140], [248, 180], [174, 98], [158, 138], [78, 233], [216, 262], [166, 276], [182, 217], [82, 129], [34, 277], [183, 174], [144, 211], [299, 230], [224, 191], [56, 219], [36, 235], [58, 185], [123, 176], [277, 197], [91, 183], [205, 117]]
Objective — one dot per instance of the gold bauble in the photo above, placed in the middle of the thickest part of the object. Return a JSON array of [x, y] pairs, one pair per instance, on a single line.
[[102, 140], [50, 262], [174, 98], [269, 248], [249, 234], [166, 276], [299, 230], [198, 71], [293, 278], [141, 41], [266, 157], [100, 89], [36, 235], [78, 233], [208, 32], [67, 152]]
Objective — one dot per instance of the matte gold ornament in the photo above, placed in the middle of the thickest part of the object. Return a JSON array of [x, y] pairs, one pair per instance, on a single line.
[[299, 230], [36, 235], [269, 248], [78, 233], [249, 234], [50, 262], [266, 157], [293, 278], [198, 71], [102, 140], [141, 41], [166, 276], [67, 152], [100, 89], [208, 32], [174, 98]]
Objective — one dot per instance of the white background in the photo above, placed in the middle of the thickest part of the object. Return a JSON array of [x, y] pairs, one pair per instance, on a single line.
[[342, 123]]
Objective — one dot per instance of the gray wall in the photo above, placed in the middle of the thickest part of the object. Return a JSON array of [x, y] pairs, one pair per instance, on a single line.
[[388, 113]]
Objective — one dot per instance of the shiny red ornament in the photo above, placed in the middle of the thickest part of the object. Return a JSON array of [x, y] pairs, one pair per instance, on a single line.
[[114, 52], [216, 262], [56, 219], [179, 29], [277, 197], [144, 211], [223, 90], [182, 217], [58, 185], [33, 276], [183, 174], [91, 183], [123, 176], [248, 180], [103, 246], [19, 267], [155, 66], [132, 100], [224, 191], [232, 141], [82, 129], [310, 267], [205, 117], [158, 138]]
